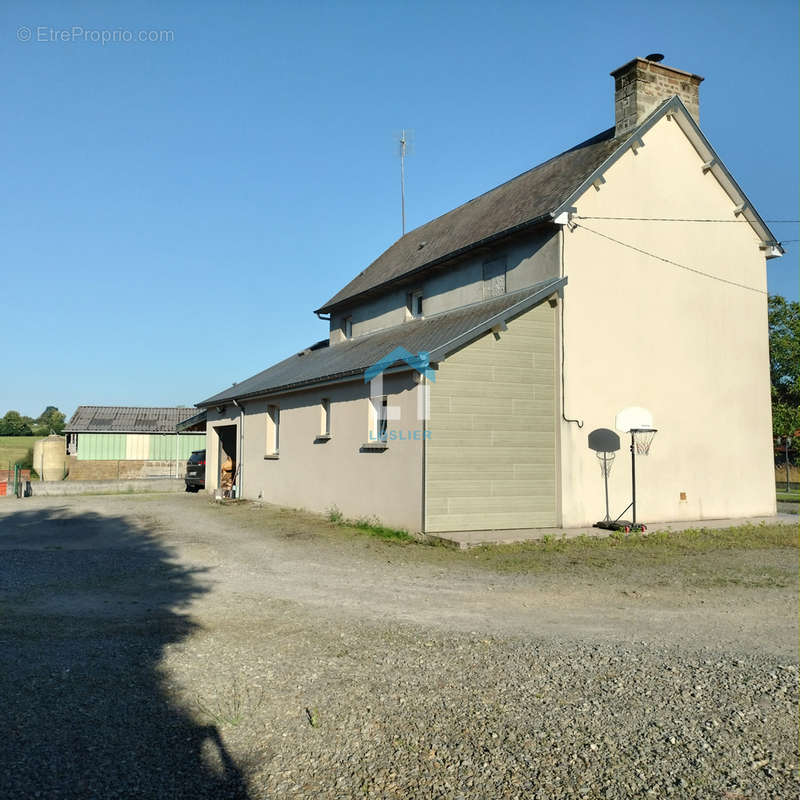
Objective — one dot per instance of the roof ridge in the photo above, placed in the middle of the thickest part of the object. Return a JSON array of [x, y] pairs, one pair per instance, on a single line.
[[599, 137]]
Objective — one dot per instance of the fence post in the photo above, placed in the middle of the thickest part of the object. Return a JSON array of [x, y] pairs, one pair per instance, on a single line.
[[786, 456]]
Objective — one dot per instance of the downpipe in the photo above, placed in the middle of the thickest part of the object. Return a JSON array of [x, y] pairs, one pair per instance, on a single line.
[[240, 454]]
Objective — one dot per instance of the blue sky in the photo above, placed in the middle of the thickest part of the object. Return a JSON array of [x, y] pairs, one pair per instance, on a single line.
[[172, 212]]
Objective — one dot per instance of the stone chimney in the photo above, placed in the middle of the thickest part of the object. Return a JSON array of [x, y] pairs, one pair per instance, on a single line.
[[642, 84]]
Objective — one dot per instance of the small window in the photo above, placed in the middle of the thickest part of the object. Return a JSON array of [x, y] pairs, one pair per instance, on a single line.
[[378, 419], [347, 327], [273, 430], [383, 419], [325, 422], [414, 304], [494, 277]]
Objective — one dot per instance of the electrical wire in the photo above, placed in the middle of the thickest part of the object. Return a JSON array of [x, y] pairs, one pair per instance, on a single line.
[[669, 261], [690, 219]]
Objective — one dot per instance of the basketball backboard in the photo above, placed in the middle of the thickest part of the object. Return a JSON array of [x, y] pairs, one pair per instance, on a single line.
[[633, 418], [603, 440]]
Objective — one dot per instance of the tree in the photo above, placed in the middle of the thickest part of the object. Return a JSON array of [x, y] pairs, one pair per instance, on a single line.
[[14, 424], [784, 365], [51, 420]]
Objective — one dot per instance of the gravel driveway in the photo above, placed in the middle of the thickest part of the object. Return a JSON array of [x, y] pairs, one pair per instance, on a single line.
[[165, 647]]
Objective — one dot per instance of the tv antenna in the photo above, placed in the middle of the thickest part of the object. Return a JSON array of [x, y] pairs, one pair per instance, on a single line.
[[405, 147]]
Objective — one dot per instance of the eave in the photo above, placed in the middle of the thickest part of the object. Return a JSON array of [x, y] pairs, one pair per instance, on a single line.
[[676, 110]]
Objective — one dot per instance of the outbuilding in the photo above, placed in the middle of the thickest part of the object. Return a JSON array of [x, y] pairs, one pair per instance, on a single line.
[[110, 442]]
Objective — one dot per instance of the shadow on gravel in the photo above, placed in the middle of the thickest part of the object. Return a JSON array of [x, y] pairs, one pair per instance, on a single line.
[[87, 605]]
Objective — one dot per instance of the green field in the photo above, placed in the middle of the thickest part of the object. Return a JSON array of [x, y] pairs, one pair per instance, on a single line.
[[789, 497], [15, 447]]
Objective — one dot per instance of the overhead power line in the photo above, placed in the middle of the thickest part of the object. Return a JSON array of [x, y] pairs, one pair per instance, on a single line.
[[690, 219], [669, 261]]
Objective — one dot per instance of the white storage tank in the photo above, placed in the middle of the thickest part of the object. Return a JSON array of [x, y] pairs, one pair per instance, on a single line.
[[50, 457]]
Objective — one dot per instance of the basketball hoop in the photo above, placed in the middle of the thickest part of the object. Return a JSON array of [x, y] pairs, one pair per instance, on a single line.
[[605, 443], [642, 439], [606, 461], [638, 422]]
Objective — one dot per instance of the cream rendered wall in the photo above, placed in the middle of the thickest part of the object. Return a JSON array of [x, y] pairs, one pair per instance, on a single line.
[[317, 475], [691, 349], [490, 461]]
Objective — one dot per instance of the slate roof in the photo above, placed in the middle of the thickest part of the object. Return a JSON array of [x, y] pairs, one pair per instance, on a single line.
[[125, 419], [523, 201], [437, 335]]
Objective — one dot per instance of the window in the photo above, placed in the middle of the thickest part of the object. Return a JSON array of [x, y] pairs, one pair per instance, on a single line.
[[325, 421], [378, 419], [273, 430], [494, 277], [383, 419], [347, 327], [414, 304]]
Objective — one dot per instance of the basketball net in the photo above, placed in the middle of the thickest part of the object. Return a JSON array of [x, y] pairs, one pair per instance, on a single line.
[[606, 462], [642, 439]]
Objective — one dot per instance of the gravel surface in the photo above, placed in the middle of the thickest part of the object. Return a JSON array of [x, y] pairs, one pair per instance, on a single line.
[[163, 647]]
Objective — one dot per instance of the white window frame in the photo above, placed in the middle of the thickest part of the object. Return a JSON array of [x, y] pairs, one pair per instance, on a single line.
[[325, 418], [415, 304], [347, 327], [273, 440], [378, 419]]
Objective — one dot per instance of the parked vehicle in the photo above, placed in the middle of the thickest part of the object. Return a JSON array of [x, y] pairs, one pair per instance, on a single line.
[[196, 471]]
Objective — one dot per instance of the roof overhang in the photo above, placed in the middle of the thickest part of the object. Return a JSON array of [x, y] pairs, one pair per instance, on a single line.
[[123, 432], [192, 422], [675, 109]]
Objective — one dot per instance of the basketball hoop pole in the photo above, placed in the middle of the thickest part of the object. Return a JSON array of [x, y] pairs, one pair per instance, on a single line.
[[633, 478], [605, 480]]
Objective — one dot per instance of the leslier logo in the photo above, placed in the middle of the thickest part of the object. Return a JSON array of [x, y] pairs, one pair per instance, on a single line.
[[382, 412]]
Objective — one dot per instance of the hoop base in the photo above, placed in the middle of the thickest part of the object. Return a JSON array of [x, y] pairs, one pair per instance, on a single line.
[[621, 525]]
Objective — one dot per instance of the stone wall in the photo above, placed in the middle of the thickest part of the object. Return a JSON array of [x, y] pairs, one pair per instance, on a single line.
[[641, 85]]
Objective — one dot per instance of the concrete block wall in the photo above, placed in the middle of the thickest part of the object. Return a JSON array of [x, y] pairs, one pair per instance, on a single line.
[[61, 488], [122, 469]]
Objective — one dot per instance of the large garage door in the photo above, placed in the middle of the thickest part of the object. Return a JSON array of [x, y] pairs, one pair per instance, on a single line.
[[490, 458]]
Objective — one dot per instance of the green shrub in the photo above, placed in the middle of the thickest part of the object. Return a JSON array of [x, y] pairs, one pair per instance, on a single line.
[[26, 461]]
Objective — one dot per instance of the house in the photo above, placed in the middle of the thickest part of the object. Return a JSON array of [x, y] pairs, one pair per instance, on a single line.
[[627, 271], [110, 442]]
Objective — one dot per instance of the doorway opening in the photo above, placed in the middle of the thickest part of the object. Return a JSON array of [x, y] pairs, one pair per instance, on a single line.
[[228, 465]]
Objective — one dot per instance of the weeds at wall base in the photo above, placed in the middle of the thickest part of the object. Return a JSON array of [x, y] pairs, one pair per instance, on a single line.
[[370, 525]]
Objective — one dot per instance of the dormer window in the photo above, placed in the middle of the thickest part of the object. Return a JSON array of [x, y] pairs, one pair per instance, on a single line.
[[414, 304], [347, 327]]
